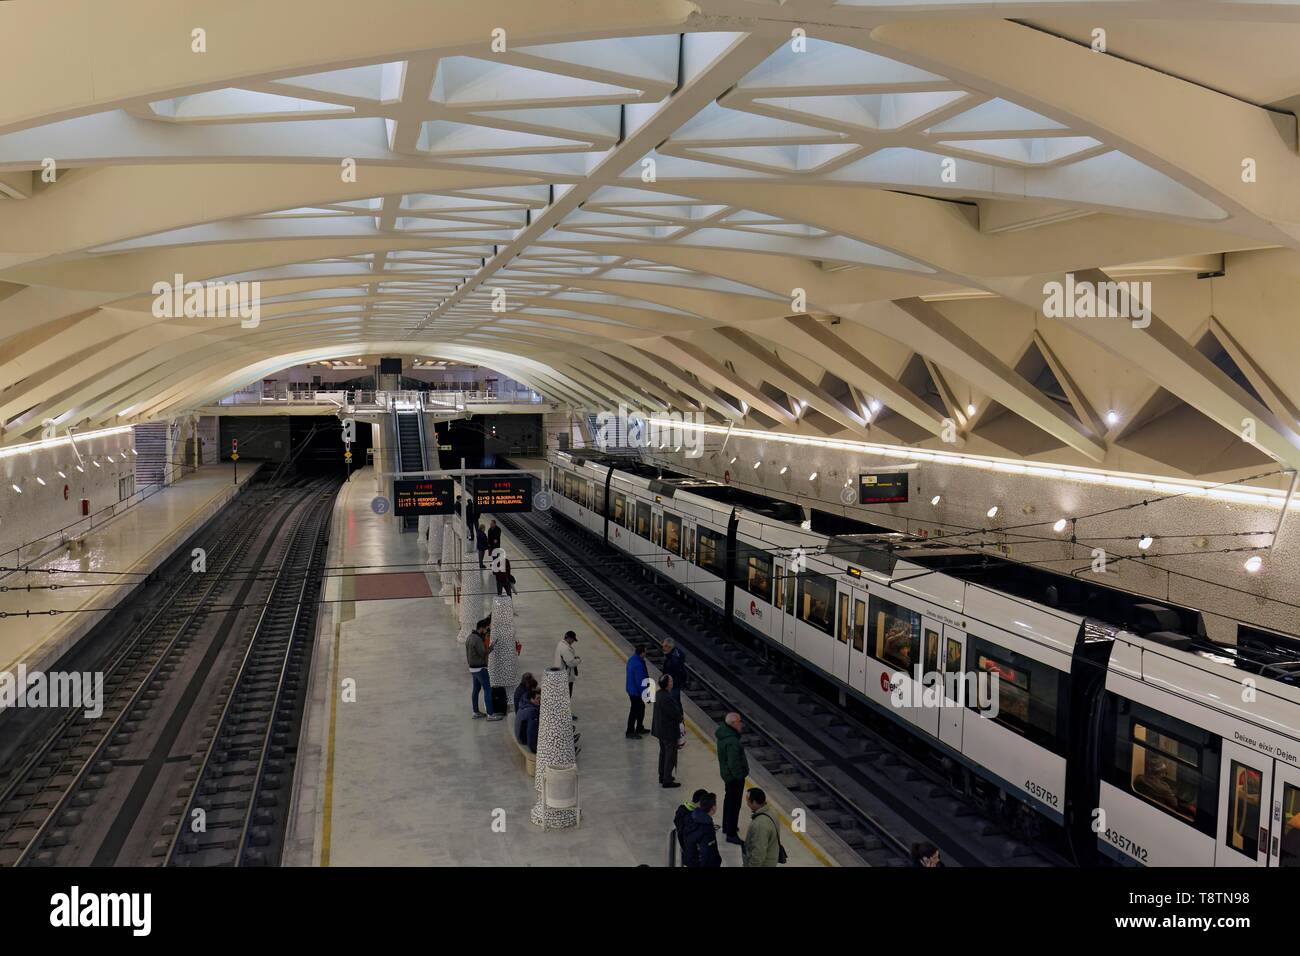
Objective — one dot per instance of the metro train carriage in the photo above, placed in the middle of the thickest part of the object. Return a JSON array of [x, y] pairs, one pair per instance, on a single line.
[[1105, 713]]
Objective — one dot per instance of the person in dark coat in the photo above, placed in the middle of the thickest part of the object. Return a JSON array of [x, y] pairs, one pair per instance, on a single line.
[[700, 843], [675, 667], [522, 692], [637, 675], [480, 542], [493, 536], [667, 727], [505, 580], [528, 718], [733, 767], [681, 818]]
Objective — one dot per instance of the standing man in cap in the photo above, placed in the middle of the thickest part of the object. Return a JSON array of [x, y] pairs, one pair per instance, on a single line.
[[567, 657], [733, 767]]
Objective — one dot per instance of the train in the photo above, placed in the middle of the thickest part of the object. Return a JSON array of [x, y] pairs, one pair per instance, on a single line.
[[1109, 715]]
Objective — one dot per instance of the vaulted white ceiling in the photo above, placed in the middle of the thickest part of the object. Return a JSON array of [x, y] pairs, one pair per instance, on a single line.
[[832, 218]]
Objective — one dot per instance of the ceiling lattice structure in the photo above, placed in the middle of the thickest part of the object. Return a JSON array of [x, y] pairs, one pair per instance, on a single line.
[[622, 202]]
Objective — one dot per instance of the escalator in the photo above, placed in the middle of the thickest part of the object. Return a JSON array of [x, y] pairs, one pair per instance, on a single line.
[[409, 427]]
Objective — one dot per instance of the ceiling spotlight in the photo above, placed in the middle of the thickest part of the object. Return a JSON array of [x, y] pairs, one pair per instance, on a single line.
[[134, 452], [813, 476], [675, 450], [1060, 525], [993, 512], [757, 463], [109, 457], [61, 474], [935, 499], [874, 405], [1112, 417], [1254, 563], [733, 460], [80, 469], [1145, 542], [784, 469], [40, 479], [970, 409], [95, 462], [16, 488]]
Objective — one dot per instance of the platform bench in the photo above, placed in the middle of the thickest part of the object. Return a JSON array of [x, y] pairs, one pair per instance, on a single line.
[[530, 758]]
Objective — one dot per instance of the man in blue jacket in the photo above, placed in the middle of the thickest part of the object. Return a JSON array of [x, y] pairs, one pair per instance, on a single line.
[[637, 675], [528, 718]]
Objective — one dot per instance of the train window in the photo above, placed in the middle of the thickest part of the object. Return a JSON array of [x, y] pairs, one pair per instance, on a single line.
[[895, 634], [778, 586], [931, 651], [817, 602], [1164, 761], [672, 533], [597, 498], [568, 485], [657, 530], [620, 508], [859, 622], [1244, 787], [643, 519], [712, 547], [758, 572], [843, 635], [952, 657], [791, 586], [1290, 855], [690, 546], [1028, 693]]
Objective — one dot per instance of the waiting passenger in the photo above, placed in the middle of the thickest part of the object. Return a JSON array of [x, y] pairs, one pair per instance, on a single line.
[[505, 580], [637, 675], [680, 819], [667, 727], [477, 649], [526, 684], [675, 666], [700, 839], [926, 854], [763, 840], [529, 718], [567, 658], [493, 536], [480, 542], [733, 767]]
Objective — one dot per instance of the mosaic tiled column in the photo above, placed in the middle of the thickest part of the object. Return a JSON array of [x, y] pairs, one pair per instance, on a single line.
[[555, 747], [473, 602], [503, 664], [436, 526], [450, 576]]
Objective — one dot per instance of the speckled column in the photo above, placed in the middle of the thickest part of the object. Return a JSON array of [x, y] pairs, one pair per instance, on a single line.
[[473, 606], [555, 747], [503, 664], [436, 526], [450, 575]]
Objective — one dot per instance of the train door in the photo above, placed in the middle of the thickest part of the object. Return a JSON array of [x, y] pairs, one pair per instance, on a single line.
[[1245, 784], [1284, 846], [952, 713], [926, 699], [843, 631], [786, 631], [590, 501], [857, 639]]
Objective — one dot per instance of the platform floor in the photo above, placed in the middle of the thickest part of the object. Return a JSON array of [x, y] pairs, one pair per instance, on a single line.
[[136, 542], [404, 776]]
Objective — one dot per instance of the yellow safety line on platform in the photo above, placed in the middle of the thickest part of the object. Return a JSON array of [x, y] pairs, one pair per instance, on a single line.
[[808, 844]]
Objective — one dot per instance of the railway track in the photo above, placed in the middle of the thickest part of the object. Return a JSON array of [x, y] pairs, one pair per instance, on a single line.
[[108, 790], [874, 794]]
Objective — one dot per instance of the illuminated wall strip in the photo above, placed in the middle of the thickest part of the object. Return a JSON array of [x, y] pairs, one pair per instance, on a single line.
[[10, 450], [1243, 494]]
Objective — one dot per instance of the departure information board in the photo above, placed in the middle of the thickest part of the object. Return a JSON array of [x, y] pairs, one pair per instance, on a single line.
[[507, 493], [425, 496], [882, 489]]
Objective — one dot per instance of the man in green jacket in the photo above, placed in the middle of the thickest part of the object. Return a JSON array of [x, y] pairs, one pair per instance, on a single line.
[[734, 768], [763, 841]]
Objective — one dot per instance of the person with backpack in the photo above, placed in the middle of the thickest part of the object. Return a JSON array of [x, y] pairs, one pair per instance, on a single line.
[[700, 839], [763, 841], [680, 819]]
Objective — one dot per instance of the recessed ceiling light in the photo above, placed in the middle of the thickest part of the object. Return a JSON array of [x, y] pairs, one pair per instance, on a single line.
[[784, 469], [1060, 525], [874, 405], [1254, 563], [40, 479], [970, 409], [733, 460], [757, 463], [935, 499], [1145, 541], [1112, 417], [993, 512], [80, 469], [62, 475], [16, 488], [813, 476], [95, 463]]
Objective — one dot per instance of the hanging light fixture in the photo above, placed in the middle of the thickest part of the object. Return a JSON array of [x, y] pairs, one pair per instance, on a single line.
[[813, 476], [993, 512], [40, 479], [784, 469], [970, 409], [1060, 525], [1145, 542], [1253, 563], [935, 499], [1112, 417]]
